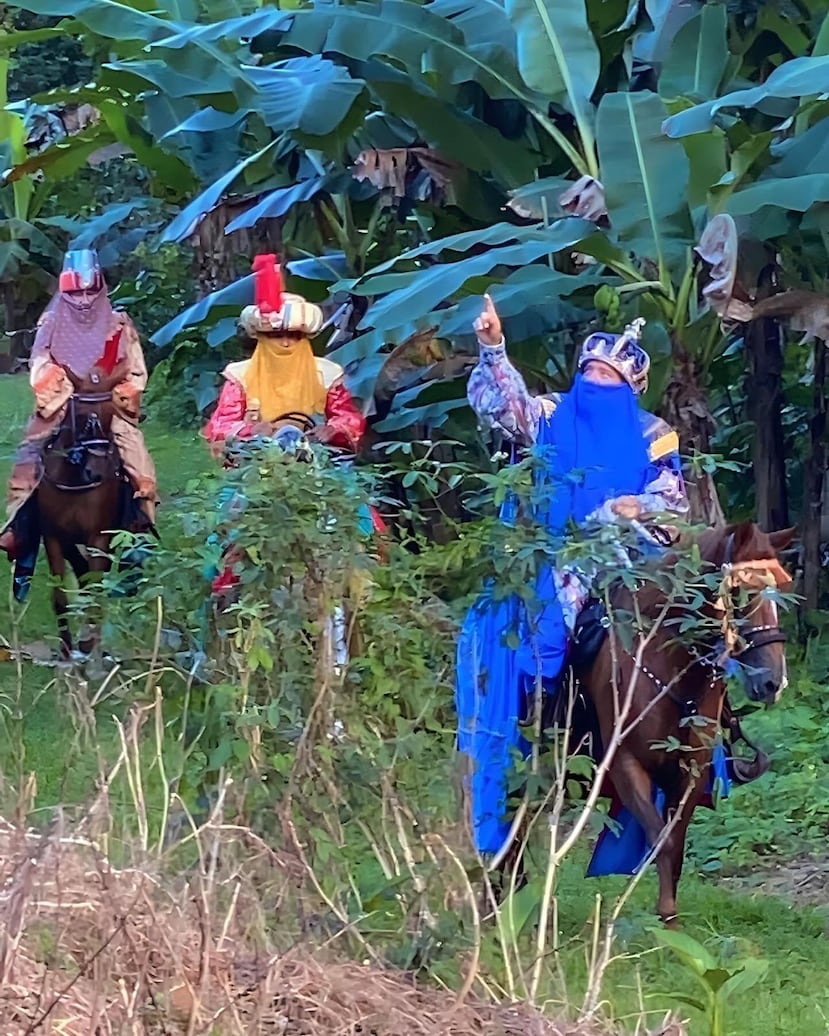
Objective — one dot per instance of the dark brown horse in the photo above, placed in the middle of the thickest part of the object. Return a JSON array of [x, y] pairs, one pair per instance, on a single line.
[[658, 706], [670, 682], [80, 494]]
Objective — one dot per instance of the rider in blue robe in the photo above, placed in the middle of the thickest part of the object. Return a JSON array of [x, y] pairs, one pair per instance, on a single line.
[[599, 456]]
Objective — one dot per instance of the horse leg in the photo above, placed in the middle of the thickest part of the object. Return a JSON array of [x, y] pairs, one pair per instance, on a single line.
[[634, 787], [512, 868], [674, 848], [80, 566], [98, 563], [57, 566]]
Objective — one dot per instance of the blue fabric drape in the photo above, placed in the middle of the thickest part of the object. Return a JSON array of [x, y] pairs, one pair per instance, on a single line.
[[488, 700], [592, 449]]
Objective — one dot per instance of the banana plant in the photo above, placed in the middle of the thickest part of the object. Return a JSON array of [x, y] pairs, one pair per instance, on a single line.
[[21, 200]]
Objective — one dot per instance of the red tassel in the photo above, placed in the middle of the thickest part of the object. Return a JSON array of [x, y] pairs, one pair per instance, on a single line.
[[110, 357], [268, 281]]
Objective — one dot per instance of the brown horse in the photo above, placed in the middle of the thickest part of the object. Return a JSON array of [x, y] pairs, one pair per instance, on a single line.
[[670, 682], [80, 493], [656, 708]]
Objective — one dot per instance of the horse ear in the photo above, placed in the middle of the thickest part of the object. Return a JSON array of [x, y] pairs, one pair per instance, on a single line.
[[783, 539], [743, 533]]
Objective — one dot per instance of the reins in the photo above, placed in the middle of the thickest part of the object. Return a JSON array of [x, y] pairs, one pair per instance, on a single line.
[[91, 440]]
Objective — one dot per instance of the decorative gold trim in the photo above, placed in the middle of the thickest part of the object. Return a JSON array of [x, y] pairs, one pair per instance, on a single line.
[[665, 444]]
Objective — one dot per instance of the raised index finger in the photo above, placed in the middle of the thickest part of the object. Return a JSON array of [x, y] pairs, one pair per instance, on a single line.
[[489, 305]]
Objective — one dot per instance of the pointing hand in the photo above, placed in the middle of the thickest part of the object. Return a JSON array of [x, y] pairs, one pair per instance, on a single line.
[[488, 325]]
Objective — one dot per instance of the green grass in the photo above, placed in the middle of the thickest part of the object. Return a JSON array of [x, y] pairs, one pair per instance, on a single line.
[[793, 999]]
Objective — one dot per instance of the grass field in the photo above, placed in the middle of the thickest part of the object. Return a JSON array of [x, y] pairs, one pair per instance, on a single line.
[[792, 999]]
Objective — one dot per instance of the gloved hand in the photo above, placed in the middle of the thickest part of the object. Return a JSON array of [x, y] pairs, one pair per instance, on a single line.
[[127, 399], [51, 389]]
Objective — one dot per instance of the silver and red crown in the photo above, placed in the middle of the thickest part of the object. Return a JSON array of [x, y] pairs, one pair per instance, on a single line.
[[621, 352]]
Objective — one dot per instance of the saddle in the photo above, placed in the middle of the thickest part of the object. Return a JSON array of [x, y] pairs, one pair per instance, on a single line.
[[590, 632]]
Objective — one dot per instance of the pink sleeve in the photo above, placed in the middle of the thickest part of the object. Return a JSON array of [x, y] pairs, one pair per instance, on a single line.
[[344, 417], [228, 419]]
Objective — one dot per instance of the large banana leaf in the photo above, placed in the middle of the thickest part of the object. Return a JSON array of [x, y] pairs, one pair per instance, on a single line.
[[227, 302], [560, 235], [531, 300], [410, 300], [645, 177], [127, 129], [698, 57], [410, 35], [308, 94], [209, 152], [188, 219], [799, 77], [806, 153], [37, 241], [708, 164], [557, 54], [412, 295], [797, 193], [237, 27], [404, 33], [87, 233], [484, 23], [194, 74], [114, 21], [64, 158], [276, 203], [666, 18]]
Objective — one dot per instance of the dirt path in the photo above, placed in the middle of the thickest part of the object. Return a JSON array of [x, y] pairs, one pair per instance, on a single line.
[[804, 881]]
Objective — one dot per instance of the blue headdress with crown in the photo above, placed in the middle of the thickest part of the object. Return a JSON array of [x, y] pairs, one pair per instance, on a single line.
[[621, 352]]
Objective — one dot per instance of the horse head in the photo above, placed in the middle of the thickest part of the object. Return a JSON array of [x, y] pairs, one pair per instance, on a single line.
[[98, 381], [749, 560]]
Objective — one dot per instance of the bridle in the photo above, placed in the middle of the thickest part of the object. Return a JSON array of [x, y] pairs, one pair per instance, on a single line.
[[757, 574], [91, 439]]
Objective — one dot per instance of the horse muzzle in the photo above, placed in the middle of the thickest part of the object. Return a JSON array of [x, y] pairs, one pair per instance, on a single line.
[[766, 686]]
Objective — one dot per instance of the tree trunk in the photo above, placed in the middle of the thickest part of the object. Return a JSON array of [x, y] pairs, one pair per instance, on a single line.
[[686, 409], [217, 255], [764, 393], [815, 477]]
